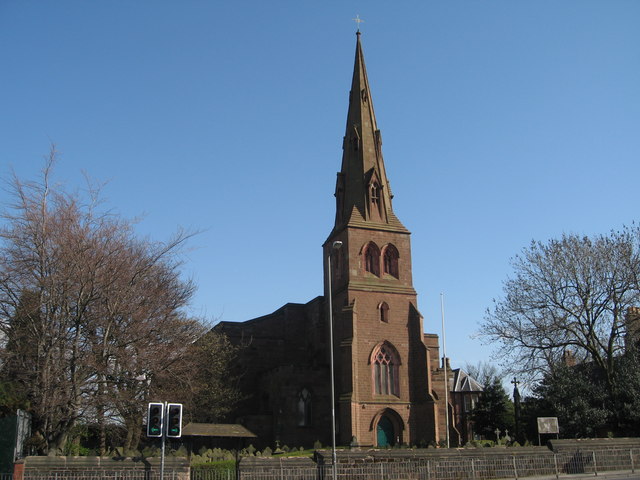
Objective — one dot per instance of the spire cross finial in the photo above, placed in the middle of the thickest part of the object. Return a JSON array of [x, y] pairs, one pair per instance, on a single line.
[[358, 21]]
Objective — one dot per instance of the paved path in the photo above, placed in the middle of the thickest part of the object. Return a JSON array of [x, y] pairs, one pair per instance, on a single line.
[[601, 476]]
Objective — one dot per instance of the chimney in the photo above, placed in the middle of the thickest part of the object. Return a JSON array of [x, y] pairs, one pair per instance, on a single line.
[[632, 324], [568, 358], [445, 361]]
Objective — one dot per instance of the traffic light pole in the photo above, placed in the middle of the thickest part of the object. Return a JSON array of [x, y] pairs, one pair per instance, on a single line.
[[164, 420], [164, 436]]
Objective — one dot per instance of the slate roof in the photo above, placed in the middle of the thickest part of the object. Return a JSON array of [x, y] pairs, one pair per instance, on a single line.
[[463, 382], [216, 430]]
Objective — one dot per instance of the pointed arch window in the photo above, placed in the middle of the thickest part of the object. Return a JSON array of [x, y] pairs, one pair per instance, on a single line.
[[385, 364], [372, 259], [304, 408], [390, 260], [375, 199], [375, 194], [383, 312]]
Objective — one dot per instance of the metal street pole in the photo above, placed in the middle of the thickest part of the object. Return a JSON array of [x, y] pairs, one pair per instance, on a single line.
[[335, 246], [164, 436], [444, 365]]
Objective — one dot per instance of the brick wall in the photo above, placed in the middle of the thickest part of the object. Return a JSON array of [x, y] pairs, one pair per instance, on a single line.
[[107, 466]]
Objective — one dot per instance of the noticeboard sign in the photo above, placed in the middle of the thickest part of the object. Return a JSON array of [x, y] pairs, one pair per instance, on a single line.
[[548, 425]]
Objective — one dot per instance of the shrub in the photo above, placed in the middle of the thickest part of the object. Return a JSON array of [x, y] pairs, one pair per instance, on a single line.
[[221, 469]]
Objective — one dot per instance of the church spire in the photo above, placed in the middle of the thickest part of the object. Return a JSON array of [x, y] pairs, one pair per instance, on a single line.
[[363, 194]]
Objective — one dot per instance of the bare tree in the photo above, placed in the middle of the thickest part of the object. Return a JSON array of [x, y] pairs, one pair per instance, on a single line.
[[484, 372], [215, 390], [90, 314], [567, 297]]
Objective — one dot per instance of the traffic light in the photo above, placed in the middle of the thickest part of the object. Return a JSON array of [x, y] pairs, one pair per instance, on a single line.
[[174, 420], [155, 417]]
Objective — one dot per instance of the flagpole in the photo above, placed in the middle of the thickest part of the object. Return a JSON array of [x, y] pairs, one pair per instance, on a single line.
[[444, 366]]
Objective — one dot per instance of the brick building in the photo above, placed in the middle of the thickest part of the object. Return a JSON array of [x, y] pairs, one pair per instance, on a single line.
[[465, 393], [389, 382]]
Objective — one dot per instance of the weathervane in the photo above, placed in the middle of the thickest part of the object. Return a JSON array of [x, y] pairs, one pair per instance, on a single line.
[[358, 21]]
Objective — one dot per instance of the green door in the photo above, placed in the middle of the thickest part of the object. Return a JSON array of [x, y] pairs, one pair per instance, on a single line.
[[385, 432]]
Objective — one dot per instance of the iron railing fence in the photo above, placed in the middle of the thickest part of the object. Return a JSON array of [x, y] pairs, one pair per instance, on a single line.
[[446, 467], [103, 475], [481, 467], [209, 474]]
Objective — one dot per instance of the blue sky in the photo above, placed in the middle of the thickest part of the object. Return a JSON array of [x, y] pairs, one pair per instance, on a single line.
[[503, 122]]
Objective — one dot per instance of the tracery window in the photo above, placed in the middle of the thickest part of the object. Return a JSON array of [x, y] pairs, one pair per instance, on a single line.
[[375, 200], [304, 408], [390, 260], [372, 259], [385, 370], [375, 195]]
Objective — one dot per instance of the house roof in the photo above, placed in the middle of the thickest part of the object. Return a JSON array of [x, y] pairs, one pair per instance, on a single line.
[[216, 430], [463, 382]]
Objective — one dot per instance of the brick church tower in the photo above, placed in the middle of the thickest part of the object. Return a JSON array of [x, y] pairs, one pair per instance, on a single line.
[[389, 386], [383, 367]]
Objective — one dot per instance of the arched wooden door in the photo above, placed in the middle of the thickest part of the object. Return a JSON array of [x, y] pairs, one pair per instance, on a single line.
[[385, 432]]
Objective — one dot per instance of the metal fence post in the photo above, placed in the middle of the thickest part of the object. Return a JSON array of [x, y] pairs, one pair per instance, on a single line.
[[631, 455], [515, 468], [555, 464], [473, 468], [595, 466]]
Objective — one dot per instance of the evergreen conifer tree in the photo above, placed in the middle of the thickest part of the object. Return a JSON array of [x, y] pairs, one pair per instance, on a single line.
[[494, 410]]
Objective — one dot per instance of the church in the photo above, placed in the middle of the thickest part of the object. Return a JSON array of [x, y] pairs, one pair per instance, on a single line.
[[389, 382]]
